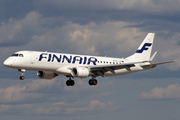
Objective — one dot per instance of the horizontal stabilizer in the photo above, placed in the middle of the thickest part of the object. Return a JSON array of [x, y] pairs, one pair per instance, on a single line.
[[154, 65]]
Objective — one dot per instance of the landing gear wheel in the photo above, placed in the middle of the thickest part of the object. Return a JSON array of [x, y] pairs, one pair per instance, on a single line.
[[22, 73], [21, 77], [67, 83], [70, 82], [93, 82]]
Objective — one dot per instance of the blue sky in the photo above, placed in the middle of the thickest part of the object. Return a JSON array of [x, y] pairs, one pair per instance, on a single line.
[[94, 27]]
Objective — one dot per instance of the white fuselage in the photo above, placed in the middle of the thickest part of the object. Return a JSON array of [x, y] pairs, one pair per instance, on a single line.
[[61, 63]]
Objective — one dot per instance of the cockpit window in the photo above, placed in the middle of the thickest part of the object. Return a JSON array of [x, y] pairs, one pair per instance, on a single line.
[[21, 55], [17, 55]]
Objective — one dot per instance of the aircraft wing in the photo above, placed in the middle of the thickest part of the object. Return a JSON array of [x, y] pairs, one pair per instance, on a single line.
[[154, 65], [111, 68], [99, 70]]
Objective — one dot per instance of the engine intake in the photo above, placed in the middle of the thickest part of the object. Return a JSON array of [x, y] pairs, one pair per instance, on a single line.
[[80, 72], [46, 75]]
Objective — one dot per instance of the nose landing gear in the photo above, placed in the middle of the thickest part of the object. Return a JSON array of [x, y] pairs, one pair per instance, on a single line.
[[21, 77], [22, 73]]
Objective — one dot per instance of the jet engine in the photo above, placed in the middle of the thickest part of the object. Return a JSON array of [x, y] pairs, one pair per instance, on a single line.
[[46, 75], [80, 72]]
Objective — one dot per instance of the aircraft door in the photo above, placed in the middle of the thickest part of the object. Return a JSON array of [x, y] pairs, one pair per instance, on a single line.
[[32, 57]]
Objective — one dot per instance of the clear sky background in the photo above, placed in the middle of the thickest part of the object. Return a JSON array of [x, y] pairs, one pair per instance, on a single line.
[[114, 28]]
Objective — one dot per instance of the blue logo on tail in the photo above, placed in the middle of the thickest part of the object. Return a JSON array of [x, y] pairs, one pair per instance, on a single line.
[[144, 47]]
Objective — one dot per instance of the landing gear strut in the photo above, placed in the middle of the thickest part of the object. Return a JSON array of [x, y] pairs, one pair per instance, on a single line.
[[22, 73], [93, 81], [70, 82]]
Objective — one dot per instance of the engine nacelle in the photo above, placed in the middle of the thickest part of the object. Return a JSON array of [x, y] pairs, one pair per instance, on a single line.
[[46, 75], [80, 72]]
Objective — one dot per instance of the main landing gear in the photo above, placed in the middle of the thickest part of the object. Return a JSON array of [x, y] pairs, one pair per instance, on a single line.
[[70, 82], [22, 73], [93, 81]]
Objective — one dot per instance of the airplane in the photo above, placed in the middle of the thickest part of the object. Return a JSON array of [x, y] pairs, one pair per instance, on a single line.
[[49, 65]]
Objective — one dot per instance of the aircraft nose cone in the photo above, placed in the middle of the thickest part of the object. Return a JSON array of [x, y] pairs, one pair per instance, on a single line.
[[7, 62]]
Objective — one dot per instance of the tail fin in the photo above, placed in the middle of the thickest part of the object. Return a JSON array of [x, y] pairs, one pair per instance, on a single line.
[[144, 51]]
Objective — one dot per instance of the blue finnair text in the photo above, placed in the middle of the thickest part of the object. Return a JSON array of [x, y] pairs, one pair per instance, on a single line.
[[144, 47], [67, 58]]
